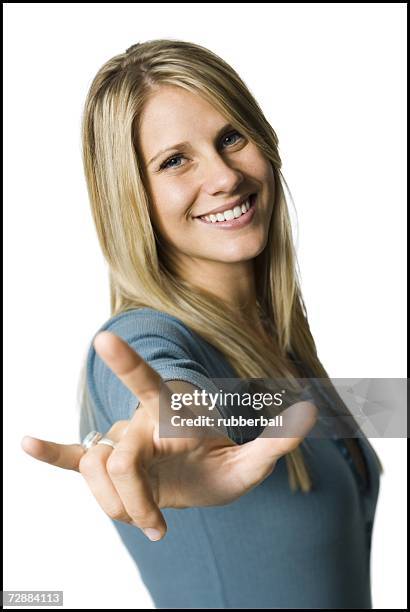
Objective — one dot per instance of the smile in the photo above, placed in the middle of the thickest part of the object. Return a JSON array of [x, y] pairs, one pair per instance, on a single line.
[[237, 217]]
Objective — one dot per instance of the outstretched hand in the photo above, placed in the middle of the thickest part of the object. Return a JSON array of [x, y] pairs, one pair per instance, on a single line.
[[145, 472]]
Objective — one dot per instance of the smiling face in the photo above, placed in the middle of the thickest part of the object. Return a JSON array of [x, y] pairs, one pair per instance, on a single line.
[[214, 168]]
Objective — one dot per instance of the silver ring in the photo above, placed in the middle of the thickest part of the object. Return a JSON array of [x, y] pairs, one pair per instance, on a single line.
[[107, 441], [91, 439]]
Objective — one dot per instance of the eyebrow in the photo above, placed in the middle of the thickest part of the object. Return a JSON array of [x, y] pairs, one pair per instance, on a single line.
[[186, 144]]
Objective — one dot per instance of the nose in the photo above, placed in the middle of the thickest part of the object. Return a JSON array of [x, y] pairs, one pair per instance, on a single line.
[[220, 176]]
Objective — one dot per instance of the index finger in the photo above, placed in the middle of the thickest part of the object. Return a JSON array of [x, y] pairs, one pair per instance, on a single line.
[[132, 370]]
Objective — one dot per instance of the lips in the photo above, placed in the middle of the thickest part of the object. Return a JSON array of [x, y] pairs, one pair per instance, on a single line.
[[228, 206], [233, 223]]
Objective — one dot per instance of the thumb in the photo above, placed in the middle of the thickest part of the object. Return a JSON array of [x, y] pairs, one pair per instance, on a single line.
[[66, 456], [264, 451]]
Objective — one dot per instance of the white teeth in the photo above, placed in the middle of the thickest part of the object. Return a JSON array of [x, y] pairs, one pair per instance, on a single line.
[[228, 215]]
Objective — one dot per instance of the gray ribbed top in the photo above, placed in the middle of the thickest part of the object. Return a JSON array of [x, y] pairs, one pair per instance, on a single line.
[[269, 549]]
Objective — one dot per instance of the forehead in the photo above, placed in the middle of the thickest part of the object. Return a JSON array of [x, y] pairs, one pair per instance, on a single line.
[[172, 114]]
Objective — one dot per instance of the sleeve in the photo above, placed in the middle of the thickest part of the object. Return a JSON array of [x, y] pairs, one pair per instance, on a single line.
[[163, 341]]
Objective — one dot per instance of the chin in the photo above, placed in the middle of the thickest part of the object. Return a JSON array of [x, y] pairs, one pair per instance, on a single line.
[[243, 252], [238, 255]]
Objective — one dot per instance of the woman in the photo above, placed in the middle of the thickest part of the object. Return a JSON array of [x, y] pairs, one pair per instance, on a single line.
[[183, 172]]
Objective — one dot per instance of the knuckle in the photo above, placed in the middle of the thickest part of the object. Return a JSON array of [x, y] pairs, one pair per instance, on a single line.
[[88, 464], [140, 518], [119, 464], [117, 428], [149, 396], [118, 513], [122, 423]]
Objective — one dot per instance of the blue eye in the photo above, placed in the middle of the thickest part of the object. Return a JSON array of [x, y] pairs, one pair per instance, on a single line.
[[230, 135], [165, 164]]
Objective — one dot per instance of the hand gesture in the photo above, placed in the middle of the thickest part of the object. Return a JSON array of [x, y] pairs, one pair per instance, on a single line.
[[146, 472]]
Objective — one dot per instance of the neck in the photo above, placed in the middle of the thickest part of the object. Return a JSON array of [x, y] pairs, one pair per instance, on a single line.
[[233, 283]]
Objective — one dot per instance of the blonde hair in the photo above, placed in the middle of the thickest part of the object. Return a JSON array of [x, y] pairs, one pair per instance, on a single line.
[[140, 274]]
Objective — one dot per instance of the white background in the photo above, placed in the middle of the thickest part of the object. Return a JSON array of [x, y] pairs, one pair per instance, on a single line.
[[331, 81]]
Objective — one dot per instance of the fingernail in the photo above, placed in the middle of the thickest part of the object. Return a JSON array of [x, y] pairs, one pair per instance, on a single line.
[[152, 534]]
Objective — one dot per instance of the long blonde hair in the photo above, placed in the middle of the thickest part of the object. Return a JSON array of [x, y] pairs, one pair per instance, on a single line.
[[141, 272]]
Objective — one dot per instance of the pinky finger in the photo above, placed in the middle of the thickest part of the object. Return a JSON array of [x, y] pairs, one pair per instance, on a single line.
[[66, 456]]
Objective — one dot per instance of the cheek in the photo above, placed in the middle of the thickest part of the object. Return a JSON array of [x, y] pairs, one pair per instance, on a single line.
[[169, 218], [172, 202], [265, 172]]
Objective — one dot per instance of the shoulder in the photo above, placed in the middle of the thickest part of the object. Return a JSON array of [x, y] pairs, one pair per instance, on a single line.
[[159, 338], [143, 323]]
